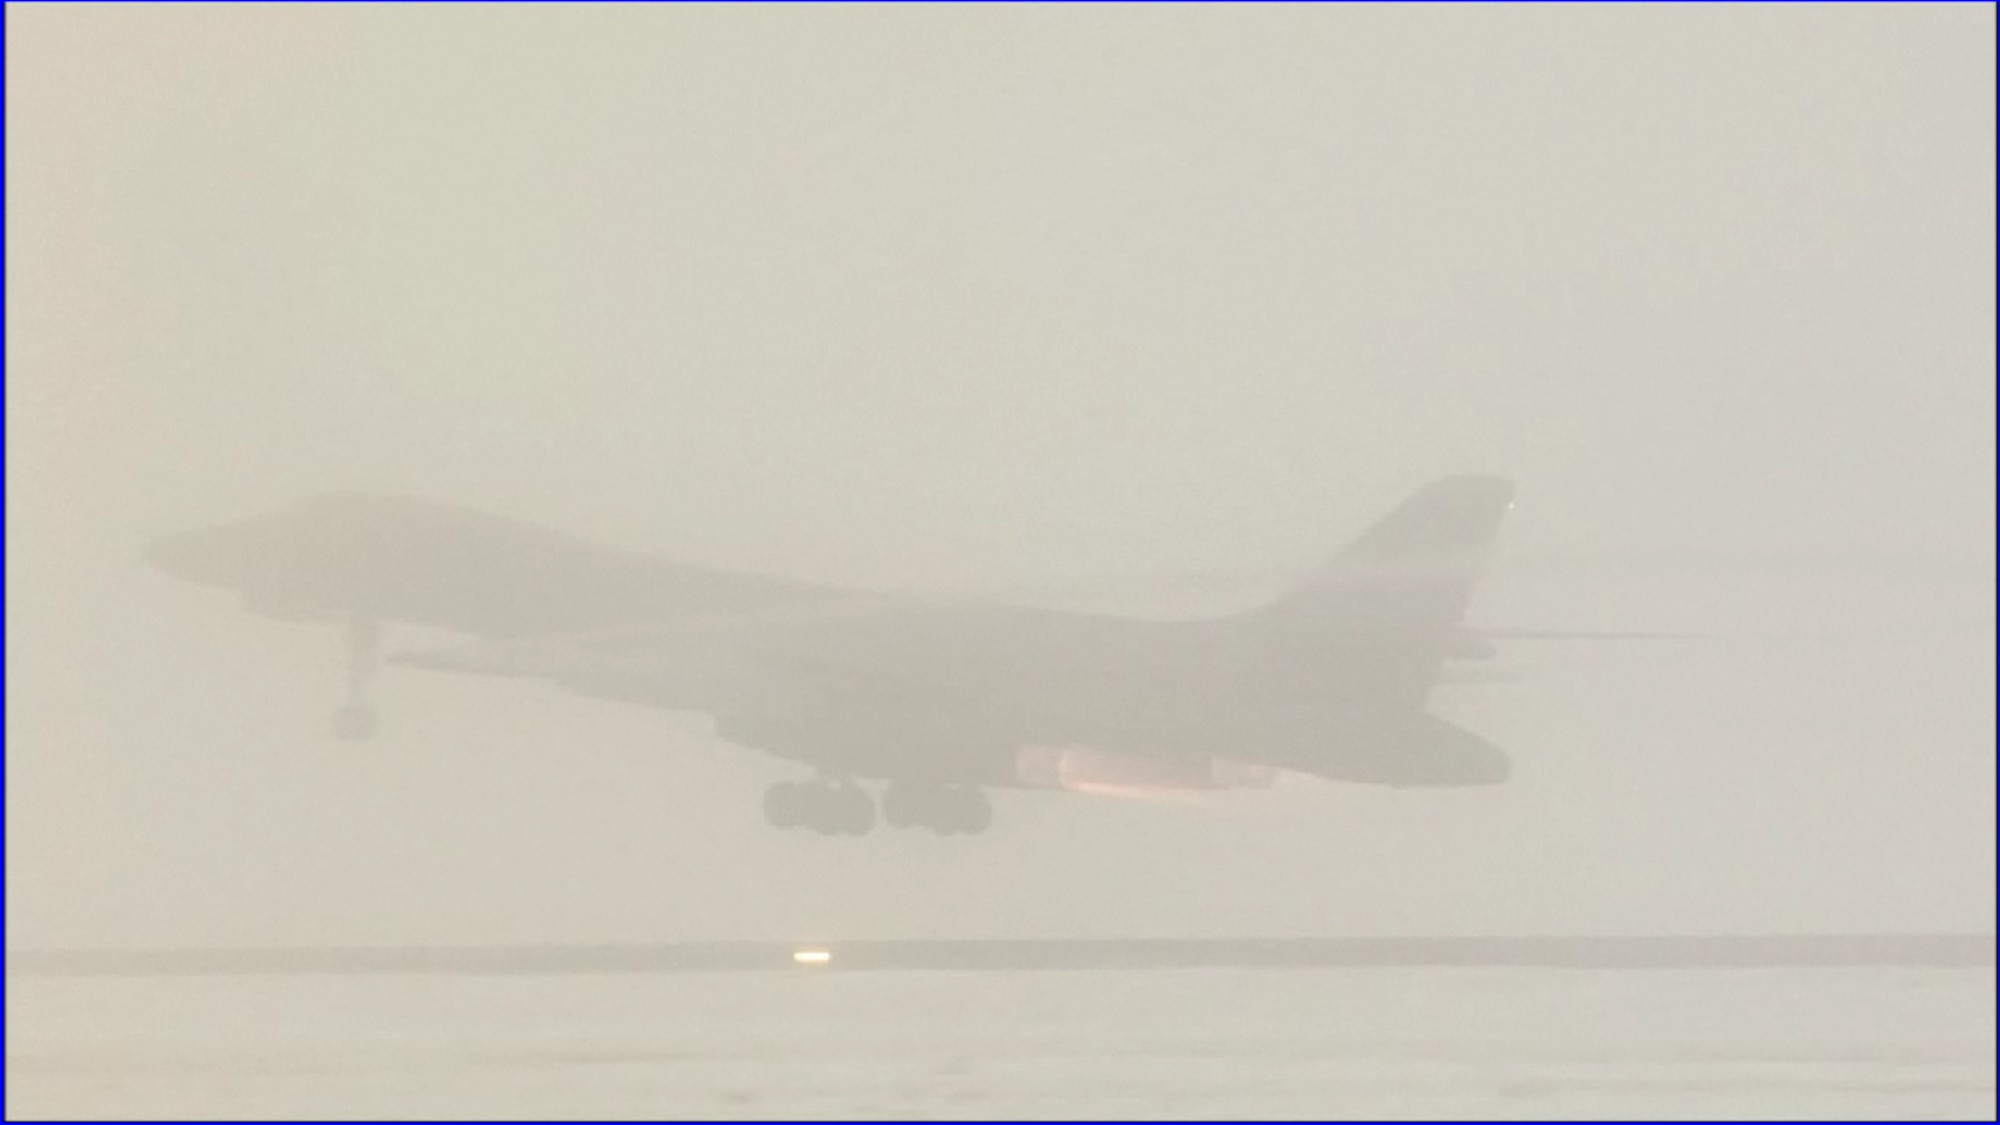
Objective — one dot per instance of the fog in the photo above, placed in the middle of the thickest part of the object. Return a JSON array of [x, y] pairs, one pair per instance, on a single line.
[[1014, 302]]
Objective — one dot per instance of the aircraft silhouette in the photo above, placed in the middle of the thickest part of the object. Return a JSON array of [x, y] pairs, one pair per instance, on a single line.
[[941, 699]]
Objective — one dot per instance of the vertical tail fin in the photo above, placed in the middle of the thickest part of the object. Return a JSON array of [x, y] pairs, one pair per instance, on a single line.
[[1452, 520], [1398, 591]]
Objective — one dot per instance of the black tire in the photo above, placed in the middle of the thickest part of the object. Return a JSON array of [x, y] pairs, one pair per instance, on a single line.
[[945, 810], [857, 810], [785, 805], [821, 809]]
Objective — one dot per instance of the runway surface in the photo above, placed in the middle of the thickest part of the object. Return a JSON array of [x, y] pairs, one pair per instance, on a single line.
[[1639, 952], [1368, 1043]]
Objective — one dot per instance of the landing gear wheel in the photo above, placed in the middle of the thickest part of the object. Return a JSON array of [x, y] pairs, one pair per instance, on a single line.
[[941, 811], [857, 811], [844, 810], [960, 809], [353, 723], [786, 805]]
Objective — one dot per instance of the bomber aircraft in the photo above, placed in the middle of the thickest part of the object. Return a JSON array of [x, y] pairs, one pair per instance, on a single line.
[[936, 699]]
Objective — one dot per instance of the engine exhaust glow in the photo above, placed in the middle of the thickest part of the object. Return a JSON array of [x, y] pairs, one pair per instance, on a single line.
[[1081, 769]]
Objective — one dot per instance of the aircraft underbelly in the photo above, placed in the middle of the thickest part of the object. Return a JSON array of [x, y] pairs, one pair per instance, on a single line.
[[1087, 768], [1074, 738]]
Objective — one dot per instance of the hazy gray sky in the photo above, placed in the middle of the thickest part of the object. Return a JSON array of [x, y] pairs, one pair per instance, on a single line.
[[959, 295]]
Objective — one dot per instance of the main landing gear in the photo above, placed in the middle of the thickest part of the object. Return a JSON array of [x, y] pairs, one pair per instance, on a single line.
[[844, 809], [355, 720]]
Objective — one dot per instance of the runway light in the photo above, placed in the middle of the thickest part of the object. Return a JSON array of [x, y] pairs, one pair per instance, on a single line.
[[811, 957]]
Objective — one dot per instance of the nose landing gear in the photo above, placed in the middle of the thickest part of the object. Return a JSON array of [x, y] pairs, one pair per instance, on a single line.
[[355, 720]]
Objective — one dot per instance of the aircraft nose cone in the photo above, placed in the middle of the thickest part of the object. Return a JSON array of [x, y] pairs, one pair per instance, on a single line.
[[1475, 763]]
